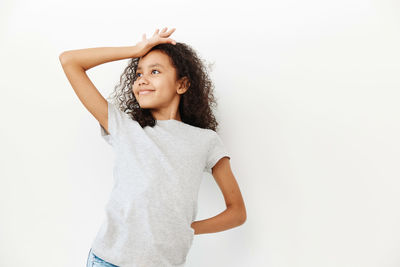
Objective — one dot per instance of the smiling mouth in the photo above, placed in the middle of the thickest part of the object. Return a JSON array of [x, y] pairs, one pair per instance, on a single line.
[[145, 92]]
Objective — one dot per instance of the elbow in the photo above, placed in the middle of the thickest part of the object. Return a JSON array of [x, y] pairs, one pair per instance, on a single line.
[[242, 218], [241, 215], [238, 212], [63, 57]]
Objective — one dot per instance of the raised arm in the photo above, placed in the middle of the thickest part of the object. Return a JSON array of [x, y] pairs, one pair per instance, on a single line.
[[75, 63]]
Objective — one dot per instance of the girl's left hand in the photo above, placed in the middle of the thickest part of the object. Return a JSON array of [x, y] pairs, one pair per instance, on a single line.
[[158, 37]]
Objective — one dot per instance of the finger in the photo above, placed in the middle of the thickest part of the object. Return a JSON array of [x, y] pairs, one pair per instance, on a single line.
[[144, 36], [170, 32], [163, 32], [172, 41], [156, 32]]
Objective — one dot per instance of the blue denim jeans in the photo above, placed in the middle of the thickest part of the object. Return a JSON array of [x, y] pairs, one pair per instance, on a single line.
[[94, 261]]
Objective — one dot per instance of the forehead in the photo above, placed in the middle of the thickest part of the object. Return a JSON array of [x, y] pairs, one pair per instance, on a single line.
[[154, 59]]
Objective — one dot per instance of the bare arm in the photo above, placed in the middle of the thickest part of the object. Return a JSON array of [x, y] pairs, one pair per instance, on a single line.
[[90, 57], [235, 213], [75, 63]]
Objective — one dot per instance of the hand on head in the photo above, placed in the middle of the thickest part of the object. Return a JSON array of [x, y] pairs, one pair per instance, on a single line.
[[158, 37]]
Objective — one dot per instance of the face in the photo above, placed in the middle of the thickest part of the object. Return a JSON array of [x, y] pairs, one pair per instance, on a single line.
[[157, 76]]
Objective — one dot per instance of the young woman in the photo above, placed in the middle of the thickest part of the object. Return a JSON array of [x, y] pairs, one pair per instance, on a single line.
[[163, 131]]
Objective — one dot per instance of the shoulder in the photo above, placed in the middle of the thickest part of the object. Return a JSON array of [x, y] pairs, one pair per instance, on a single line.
[[203, 132], [203, 137]]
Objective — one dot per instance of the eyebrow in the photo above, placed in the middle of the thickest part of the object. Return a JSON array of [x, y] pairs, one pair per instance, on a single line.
[[152, 65]]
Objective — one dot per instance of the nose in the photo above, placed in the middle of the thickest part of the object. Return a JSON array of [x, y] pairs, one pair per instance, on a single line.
[[140, 80]]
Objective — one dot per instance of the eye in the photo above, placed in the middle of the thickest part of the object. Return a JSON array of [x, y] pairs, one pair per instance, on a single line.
[[137, 73]]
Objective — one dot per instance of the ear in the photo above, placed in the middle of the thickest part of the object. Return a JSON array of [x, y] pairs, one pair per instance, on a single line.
[[184, 85]]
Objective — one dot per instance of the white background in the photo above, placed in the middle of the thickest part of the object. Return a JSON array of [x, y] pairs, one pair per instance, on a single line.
[[308, 96]]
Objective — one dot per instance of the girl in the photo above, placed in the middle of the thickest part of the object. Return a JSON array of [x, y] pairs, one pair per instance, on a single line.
[[163, 132]]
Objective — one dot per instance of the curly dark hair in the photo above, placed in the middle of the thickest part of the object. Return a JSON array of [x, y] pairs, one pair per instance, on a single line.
[[195, 106]]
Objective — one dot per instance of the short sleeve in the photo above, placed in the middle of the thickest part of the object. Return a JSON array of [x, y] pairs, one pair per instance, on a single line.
[[116, 119], [216, 151]]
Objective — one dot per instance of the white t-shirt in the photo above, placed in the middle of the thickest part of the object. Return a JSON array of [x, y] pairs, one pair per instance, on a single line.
[[157, 175]]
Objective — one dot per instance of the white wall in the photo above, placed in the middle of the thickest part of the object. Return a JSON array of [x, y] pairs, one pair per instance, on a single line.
[[308, 104]]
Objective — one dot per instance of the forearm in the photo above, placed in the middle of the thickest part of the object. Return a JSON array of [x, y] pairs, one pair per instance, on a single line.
[[90, 57], [229, 218]]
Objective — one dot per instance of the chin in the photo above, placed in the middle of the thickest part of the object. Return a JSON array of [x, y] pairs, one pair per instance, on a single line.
[[146, 105]]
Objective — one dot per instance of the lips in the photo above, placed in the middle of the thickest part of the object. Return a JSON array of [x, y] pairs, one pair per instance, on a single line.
[[145, 91]]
